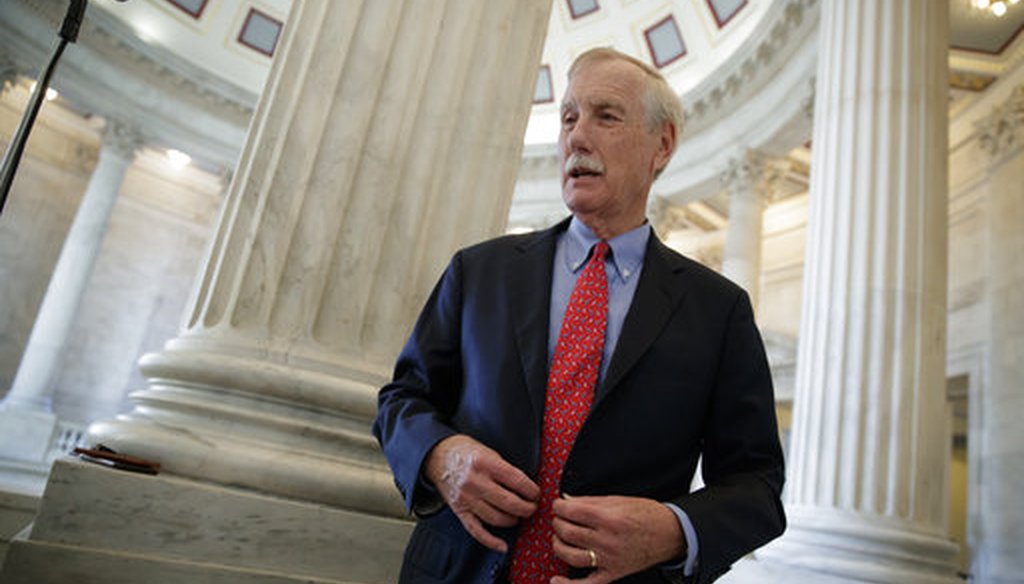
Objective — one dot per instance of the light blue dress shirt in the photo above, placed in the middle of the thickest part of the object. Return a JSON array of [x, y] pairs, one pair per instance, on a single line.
[[622, 266]]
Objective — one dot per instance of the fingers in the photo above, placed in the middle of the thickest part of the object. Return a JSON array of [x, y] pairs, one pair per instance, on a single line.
[[515, 481], [480, 533], [480, 487], [628, 534], [575, 555]]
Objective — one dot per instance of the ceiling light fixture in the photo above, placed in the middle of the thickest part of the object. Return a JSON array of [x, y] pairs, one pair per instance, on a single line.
[[178, 159], [997, 8], [51, 93]]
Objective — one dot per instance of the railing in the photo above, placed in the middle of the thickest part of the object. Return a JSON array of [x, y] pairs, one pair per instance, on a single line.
[[68, 436]]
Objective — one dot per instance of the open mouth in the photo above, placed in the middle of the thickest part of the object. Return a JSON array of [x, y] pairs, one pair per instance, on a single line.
[[582, 172]]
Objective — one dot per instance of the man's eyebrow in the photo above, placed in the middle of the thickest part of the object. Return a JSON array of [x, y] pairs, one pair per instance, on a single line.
[[608, 105], [600, 105]]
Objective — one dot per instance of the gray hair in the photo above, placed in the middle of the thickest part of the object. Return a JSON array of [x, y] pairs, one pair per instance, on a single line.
[[661, 104]]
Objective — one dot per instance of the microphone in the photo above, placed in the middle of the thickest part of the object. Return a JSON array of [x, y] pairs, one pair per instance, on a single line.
[[68, 34], [73, 20]]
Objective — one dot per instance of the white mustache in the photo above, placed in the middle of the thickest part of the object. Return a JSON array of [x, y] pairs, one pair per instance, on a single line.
[[578, 161]]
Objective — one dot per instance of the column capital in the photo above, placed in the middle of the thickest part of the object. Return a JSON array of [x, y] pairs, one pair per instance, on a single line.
[[807, 104], [666, 216], [226, 175], [712, 256], [753, 173], [1002, 131], [122, 138], [9, 72]]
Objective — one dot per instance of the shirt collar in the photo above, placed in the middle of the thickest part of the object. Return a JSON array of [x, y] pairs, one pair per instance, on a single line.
[[627, 249]]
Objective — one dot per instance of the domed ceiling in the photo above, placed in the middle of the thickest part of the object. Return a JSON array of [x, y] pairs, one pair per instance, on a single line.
[[228, 44], [214, 56], [687, 39]]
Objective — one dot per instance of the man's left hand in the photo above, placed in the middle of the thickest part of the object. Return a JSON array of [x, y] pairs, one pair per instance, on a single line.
[[623, 535]]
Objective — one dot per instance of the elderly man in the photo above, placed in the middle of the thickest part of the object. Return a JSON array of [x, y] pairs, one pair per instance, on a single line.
[[547, 414]]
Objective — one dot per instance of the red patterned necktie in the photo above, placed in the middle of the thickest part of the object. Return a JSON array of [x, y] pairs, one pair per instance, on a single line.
[[571, 382]]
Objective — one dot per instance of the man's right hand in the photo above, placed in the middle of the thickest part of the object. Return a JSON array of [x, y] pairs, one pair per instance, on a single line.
[[480, 487]]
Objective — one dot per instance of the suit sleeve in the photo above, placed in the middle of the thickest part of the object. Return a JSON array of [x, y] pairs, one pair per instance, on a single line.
[[413, 411], [739, 509]]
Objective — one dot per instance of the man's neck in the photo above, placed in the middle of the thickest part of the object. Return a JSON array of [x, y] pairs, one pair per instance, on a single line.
[[607, 229]]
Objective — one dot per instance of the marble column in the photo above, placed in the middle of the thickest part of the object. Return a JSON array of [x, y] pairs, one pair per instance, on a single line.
[[27, 419], [750, 181], [996, 534], [389, 134], [867, 490]]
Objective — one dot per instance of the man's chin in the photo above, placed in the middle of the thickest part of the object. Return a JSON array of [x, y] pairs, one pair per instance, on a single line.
[[582, 196]]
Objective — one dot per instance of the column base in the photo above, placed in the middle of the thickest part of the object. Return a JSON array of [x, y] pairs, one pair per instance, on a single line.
[[232, 419], [859, 547], [308, 476], [101, 525]]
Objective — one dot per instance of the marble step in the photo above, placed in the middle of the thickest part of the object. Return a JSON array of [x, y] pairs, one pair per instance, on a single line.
[[34, 563], [101, 523]]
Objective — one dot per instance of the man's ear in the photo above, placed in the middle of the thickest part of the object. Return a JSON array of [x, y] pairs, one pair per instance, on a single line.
[[666, 146]]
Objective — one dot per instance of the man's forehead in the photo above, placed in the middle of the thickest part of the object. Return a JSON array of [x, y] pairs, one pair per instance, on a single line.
[[602, 84], [593, 102]]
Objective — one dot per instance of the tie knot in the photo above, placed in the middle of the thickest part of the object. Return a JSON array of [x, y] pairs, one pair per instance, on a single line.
[[600, 250]]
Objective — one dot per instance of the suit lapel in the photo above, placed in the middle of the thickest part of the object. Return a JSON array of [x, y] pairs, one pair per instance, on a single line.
[[530, 288], [657, 295]]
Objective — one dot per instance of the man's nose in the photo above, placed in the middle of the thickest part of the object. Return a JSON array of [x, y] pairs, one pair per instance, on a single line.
[[578, 137]]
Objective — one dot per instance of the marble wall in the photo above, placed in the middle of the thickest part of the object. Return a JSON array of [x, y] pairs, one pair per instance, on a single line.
[[143, 275], [40, 207]]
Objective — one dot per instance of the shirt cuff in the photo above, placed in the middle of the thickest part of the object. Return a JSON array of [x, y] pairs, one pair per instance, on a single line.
[[689, 563]]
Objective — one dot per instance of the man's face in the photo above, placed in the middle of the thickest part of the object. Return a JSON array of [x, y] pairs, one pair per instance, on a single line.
[[608, 155]]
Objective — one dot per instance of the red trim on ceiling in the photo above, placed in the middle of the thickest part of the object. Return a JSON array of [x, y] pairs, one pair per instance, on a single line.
[[188, 11], [551, 86], [718, 21], [650, 47], [245, 24], [572, 11]]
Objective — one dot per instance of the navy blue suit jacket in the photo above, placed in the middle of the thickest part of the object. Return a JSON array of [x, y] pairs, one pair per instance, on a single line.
[[688, 377]]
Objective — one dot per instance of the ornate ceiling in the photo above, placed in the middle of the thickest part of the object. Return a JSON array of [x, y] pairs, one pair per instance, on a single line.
[[731, 61]]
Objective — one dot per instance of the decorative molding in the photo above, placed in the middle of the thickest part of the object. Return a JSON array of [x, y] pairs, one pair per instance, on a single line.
[[224, 178], [112, 73], [122, 138], [110, 37], [970, 80], [754, 173], [117, 44], [9, 72], [667, 216], [1001, 132], [785, 26], [807, 103]]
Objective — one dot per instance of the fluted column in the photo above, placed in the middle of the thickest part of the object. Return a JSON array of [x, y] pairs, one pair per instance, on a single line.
[[867, 494], [389, 134], [750, 181], [997, 534], [28, 420]]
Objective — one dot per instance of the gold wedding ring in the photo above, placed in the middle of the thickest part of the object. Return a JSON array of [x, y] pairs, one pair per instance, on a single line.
[[593, 558]]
